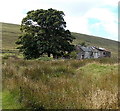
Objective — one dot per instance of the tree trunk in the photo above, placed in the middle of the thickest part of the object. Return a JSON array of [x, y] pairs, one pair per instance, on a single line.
[[54, 56], [48, 54]]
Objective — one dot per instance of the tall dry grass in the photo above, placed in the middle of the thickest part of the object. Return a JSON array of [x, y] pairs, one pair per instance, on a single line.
[[63, 84]]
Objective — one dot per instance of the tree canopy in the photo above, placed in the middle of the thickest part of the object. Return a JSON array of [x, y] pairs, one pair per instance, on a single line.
[[44, 32]]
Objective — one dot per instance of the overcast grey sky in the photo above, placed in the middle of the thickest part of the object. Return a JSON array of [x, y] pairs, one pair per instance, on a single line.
[[93, 17]]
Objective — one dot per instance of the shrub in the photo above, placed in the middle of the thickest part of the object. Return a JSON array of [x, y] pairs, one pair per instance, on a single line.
[[73, 55], [45, 58]]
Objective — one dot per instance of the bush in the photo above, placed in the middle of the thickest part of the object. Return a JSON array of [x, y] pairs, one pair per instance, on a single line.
[[73, 55], [45, 58]]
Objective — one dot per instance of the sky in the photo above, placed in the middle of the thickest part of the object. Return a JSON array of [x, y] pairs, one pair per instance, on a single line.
[[92, 17]]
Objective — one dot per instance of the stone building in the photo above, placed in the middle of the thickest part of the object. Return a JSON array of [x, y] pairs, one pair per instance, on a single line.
[[91, 52]]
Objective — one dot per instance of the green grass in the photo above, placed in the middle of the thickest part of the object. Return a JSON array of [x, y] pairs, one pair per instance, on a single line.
[[10, 100], [0, 100], [10, 33], [69, 84]]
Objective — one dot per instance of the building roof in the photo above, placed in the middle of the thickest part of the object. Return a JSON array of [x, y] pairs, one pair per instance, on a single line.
[[90, 48], [86, 49]]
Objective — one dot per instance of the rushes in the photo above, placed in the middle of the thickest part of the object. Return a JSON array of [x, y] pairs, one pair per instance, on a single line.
[[62, 84]]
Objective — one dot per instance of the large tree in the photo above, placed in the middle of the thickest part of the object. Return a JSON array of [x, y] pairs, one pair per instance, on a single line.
[[44, 32]]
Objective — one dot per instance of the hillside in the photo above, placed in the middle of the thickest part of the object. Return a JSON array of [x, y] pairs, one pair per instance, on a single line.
[[10, 33], [58, 84]]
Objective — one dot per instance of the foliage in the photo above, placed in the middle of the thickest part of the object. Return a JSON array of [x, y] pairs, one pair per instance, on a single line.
[[83, 44], [12, 55], [43, 32], [45, 58], [73, 55], [10, 33]]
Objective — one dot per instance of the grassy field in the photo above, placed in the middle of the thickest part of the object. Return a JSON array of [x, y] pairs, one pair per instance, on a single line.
[[60, 84], [10, 33], [0, 100]]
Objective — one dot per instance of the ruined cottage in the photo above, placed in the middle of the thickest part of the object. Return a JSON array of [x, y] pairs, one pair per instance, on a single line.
[[91, 52]]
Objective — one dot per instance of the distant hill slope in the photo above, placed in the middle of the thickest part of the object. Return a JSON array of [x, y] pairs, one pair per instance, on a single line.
[[110, 45], [10, 33]]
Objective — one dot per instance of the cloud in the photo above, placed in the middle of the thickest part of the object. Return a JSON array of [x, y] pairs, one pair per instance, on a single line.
[[13, 11], [78, 13], [79, 24], [106, 20]]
